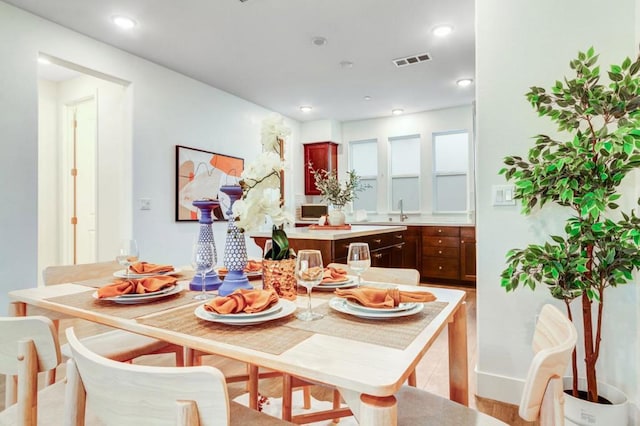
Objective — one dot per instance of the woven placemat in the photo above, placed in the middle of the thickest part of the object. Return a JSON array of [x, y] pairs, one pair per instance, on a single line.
[[85, 300], [271, 337], [102, 281]]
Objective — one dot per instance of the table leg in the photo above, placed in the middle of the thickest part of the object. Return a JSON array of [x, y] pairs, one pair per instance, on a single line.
[[378, 410], [458, 364]]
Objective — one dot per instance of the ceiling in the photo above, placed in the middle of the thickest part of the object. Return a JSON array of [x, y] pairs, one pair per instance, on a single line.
[[262, 50]]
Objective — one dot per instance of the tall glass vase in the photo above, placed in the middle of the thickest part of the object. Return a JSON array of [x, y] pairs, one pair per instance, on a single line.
[[235, 249], [211, 279]]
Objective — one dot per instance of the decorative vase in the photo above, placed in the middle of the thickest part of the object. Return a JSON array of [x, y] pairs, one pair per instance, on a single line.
[[235, 249], [211, 279], [336, 216], [580, 412], [280, 276]]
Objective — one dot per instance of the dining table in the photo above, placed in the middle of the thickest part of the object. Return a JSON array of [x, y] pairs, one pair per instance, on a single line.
[[367, 358]]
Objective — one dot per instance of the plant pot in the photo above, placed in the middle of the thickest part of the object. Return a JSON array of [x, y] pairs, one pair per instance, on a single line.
[[280, 276], [336, 216], [580, 412]]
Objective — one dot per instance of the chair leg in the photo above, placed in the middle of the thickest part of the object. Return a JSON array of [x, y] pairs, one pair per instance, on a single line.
[[11, 390], [413, 379], [336, 403], [287, 396], [306, 394], [180, 357], [252, 384]]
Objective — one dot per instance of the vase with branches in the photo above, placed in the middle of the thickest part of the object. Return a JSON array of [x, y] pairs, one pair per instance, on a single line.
[[582, 173]]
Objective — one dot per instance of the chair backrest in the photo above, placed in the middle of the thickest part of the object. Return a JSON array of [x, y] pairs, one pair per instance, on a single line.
[[388, 275], [129, 394], [28, 345], [553, 342], [69, 273]]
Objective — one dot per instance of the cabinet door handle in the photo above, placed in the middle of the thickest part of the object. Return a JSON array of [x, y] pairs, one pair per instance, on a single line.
[[439, 251], [440, 268], [377, 241], [461, 241], [439, 230], [399, 236], [377, 255], [398, 246], [439, 241]]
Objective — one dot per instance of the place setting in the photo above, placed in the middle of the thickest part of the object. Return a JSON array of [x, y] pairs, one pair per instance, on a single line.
[[379, 303], [335, 278], [128, 256]]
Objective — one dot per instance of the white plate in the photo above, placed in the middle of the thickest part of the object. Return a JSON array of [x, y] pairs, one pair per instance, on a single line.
[[269, 311], [123, 274], [351, 282], [131, 299], [288, 307], [340, 304], [401, 307]]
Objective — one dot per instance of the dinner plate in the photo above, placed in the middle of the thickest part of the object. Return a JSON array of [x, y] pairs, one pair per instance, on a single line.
[[332, 286], [131, 299], [287, 308], [269, 311], [401, 307], [123, 274], [340, 304]]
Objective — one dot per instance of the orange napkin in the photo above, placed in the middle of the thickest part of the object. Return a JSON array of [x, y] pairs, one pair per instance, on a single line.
[[242, 300], [149, 268], [383, 297], [143, 285], [252, 266], [334, 275]]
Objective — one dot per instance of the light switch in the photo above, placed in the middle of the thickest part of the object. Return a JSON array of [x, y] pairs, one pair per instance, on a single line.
[[145, 204], [502, 195]]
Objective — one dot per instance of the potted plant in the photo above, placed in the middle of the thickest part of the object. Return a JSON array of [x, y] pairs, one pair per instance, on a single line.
[[583, 173], [335, 193]]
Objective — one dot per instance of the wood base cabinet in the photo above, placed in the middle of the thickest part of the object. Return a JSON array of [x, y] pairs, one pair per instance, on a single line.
[[448, 253], [468, 254]]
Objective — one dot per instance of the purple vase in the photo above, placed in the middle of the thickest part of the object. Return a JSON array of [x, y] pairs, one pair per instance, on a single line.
[[211, 279]]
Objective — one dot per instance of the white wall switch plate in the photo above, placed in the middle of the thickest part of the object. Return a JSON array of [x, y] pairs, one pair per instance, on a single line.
[[145, 204], [502, 195]]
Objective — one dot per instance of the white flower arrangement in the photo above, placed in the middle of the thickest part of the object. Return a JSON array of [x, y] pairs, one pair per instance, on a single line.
[[260, 183]]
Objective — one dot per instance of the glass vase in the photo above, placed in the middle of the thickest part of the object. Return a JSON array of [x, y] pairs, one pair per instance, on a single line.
[[280, 276]]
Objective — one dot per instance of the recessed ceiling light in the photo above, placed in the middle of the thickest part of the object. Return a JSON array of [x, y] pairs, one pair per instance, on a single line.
[[464, 82], [442, 30], [43, 60], [367, 98], [319, 41], [123, 22], [346, 64], [306, 108], [397, 111]]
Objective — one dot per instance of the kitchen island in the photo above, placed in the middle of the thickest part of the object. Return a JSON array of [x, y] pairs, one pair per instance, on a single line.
[[385, 242]]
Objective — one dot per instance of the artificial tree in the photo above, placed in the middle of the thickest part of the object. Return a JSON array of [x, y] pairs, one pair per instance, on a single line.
[[582, 173]]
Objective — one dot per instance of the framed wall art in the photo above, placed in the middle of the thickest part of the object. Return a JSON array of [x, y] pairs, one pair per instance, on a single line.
[[200, 174]]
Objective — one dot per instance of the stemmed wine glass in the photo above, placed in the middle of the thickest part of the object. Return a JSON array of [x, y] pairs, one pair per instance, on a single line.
[[203, 259], [128, 254], [359, 259], [309, 271]]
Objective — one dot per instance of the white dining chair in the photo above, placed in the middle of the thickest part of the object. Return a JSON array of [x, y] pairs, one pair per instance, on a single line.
[[117, 345], [542, 399], [122, 394]]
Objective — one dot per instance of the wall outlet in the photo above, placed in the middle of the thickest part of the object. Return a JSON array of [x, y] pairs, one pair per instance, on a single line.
[[145, 204], [502, 195]]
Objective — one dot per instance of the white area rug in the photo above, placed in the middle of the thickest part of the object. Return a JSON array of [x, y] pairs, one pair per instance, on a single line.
[[273, 407]]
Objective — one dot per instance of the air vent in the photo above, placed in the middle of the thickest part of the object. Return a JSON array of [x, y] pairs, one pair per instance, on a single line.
[[411, 60]]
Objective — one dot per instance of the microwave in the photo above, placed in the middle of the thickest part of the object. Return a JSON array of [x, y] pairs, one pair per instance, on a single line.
[[312, 211]]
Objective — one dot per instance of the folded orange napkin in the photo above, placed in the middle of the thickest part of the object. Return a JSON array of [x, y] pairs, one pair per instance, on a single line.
[[242, 300], [143, 285], [149, 268], [334, 275], [384, 297], [252, 266]]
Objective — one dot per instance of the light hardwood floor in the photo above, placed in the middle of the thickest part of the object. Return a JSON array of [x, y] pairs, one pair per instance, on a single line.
[[432, 371]]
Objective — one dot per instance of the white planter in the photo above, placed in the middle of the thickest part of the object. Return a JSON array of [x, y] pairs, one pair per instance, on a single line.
[[579, 412], [336, 217]]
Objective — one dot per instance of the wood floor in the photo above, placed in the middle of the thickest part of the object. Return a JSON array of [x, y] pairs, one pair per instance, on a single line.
[[432, 371]]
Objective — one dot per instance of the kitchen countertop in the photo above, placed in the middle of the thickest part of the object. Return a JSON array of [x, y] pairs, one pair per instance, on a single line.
[[412, 220], [336, 234]]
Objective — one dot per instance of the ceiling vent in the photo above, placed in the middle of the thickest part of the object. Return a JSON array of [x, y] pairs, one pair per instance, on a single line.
[[412, 60]]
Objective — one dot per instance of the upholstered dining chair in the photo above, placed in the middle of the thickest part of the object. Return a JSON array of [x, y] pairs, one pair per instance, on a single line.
[[127, 394], [542, 399], [117, 345]]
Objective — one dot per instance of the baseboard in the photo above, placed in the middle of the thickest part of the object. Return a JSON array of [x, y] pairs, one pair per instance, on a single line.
[[499, 388]]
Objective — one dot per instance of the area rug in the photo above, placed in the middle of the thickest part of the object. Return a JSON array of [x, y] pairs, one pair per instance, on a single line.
[[273, 407]]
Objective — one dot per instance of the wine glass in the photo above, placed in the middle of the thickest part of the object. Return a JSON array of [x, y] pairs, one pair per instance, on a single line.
[[359, 259], [127, 254], [309, 271], [203, 259], [268, 245]]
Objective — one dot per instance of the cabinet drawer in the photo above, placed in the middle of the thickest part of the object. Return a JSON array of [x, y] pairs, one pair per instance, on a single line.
[[468, 232], [450, 252], [440, 242], [442, 231], [440, 268]]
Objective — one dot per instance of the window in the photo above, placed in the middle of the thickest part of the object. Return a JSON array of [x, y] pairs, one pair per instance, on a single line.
[[364, 160], [450, 170], [404, 174]]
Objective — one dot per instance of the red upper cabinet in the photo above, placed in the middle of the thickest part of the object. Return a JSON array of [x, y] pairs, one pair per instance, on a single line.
[[322, 155]]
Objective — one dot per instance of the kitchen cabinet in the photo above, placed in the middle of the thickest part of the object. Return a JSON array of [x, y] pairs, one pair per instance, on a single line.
[[468, 254], [448, 253], [412, 250], [322, 155]]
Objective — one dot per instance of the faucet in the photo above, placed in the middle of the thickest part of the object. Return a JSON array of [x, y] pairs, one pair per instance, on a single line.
[[403, 216]]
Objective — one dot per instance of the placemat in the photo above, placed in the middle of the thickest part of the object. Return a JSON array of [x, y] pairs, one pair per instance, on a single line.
[[102, 281], [271, 337], [86, 301]]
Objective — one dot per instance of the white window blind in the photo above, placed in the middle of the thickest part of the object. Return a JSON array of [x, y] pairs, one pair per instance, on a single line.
[[363, 158], [404, 173], [450, 169]]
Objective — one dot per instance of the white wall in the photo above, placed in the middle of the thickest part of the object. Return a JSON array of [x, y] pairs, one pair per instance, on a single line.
[[423, 124], [166, 109], [520, 44]]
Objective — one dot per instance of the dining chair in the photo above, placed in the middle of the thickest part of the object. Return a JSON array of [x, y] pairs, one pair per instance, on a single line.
[[542, 399], [117, 345], [127, 394]]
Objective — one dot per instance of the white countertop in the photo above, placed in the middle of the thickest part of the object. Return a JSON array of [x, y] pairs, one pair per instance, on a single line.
[[412, 220], [335, 234]]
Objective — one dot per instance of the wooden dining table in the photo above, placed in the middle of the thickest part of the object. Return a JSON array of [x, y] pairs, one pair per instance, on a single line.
[[368, 360]]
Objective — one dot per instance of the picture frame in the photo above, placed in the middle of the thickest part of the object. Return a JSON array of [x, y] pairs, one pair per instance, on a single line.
[[199, 175]]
